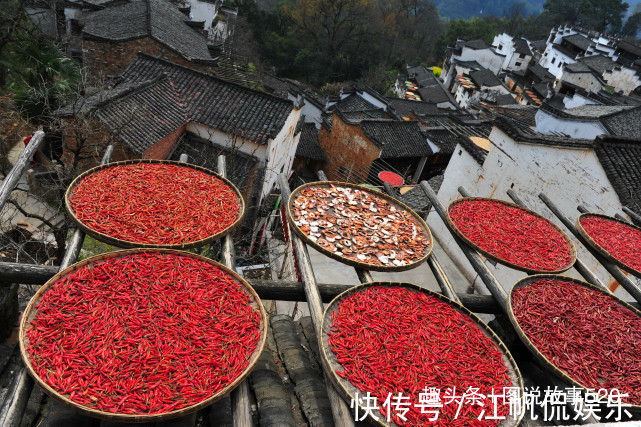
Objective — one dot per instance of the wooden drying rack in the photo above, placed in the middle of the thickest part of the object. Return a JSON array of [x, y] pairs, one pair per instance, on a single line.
[[308, 289]]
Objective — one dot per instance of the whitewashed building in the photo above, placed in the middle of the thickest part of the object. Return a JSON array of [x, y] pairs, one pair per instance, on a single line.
[[473, 50], [516, 50], [601, 174]]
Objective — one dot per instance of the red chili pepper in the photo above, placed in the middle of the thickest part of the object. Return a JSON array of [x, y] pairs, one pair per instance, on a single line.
[[122, 347], [396, 340], [621, 241], [583, 332], [155, 203], [512, 234]]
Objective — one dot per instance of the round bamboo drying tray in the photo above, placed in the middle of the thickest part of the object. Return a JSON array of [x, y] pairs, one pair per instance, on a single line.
[[355, 263], [348, 391], [600, 249], [31, 311], [501, 260], [535, 352], [129, 244]]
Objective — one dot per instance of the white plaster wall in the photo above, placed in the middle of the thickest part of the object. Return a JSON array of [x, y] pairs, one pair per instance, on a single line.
[[312, 113], [373, 100], [202, 11], [226, 140], [505, 46], [546, 123], [587, 81], [559, 60], [569, 176], [577, 100], [624, 79], [485, 57], [280, 152]]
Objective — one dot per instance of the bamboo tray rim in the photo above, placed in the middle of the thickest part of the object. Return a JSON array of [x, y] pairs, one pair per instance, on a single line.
[[354, 263], [346, 389], [130, 244], [30, 313], [582, 231], [498, 259], [526, 281]]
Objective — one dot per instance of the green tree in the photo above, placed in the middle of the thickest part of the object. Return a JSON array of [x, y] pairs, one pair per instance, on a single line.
[[600, 15]]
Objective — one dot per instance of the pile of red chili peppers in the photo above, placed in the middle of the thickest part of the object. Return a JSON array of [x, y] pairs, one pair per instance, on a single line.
[[393, 339], [155, 203], [619, 240], [512, 234], [584, 333], [143, 334]]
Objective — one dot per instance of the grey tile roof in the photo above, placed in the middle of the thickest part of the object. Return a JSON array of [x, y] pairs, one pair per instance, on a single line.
[[308, 145], [443, 138], [541, 89], [474, 65], [229, 107], [477, 153], [404, 107], [592, 111], [397, 139], [621, 160], [416, 198], [565, 51], [434, 94], [354, 103], [579, 41], [539, 45], [358, 116], [577, 67], [521, 46], [509, 127], [540, 72], [624, 123], [506, 99], [599, 63], [485, 78], [143, 117], [629, 47], [205, 153], [475, 44], [158, 19]]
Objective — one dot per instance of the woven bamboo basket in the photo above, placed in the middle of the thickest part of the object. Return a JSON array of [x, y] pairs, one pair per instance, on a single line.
[[31, 311], [112, 240], [355, 263], [607, 255], [535, 352], [501, 260], [348, 391]]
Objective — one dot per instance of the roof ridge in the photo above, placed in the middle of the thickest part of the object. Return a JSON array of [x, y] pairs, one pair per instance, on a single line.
[[135, 88], [203, 74]]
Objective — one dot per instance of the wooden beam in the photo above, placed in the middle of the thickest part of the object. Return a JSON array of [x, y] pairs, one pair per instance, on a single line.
[[473, 257], [623, 280], [12, 178], [340, 411]]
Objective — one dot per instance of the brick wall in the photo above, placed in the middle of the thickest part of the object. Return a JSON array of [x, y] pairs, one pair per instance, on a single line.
[[163, 148], [346, 145], [105, 58]]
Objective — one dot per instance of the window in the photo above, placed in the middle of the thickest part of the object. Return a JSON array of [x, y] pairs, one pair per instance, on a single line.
[[518, 64], [521, 55], [500, 46], [74, 27], [553, 59]]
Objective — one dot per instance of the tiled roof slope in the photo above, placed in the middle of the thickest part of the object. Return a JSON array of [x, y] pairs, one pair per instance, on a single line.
[[621, 160], [308, 145], [156, 18], [521, 46], [145, 116], [443, 138], [404, 107], [579, 41], [354, 103], [214, 102], [626, 123], [396, 139]]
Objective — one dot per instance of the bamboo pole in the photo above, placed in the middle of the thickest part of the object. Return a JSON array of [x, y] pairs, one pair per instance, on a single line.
[[635, 216], [9, 182], [618, 275], [340, 410]]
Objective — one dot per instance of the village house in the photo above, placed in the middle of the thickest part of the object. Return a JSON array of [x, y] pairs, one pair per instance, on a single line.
[[157, 102], [112, 37], [473, 50], [420, 84], [594, 73], [590, 120], [603, 174], [516, 50], [480, 85]]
